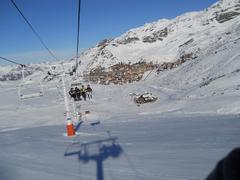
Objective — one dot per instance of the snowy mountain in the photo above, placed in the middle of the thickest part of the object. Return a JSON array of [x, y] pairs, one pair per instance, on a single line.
[[194, 33], [194, 49], [13, 73], [165, 44]]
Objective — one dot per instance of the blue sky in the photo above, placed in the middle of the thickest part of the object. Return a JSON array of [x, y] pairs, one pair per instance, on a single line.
[[56, 22]]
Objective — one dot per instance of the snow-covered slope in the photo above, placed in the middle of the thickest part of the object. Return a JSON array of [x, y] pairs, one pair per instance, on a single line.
[[167, 40]]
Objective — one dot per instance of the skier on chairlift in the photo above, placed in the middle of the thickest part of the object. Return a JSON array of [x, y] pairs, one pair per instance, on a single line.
[[83, 92], [89, 92], [72, 93], [78, 94]]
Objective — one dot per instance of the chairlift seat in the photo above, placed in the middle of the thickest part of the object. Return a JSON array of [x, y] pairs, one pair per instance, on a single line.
[[77, 100], [30, 89], [76, 84], [27, 96]]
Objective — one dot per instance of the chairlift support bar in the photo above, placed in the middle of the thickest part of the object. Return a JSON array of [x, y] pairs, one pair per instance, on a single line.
[[66, 103], [31, 96], [23, 76], [74, 68]]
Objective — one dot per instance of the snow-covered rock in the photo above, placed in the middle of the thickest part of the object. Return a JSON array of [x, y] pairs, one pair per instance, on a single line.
[[145, 98]]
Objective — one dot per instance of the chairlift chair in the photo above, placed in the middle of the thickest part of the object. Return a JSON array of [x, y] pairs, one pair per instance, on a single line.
[[77, 79], [76, 82], [29, 88]]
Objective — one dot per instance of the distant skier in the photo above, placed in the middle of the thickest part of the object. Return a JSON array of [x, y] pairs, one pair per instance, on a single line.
[[83, 92], [89, 92]]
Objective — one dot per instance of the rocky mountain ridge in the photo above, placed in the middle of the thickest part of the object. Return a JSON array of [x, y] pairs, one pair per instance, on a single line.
[[167, 43]]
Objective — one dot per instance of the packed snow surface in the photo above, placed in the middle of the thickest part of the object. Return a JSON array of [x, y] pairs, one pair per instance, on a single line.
[[154, 148], [174, 138]]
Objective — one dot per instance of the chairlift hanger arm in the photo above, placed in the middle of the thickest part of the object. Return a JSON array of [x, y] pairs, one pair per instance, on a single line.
[[74, 69], [78, 30]]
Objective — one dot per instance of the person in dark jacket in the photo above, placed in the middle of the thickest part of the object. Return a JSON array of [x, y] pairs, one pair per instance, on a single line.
[[228, 168], [72, 93], [78, 94], [89, 92]]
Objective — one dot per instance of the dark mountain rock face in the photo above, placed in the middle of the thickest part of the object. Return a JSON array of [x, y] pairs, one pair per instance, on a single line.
[[159, 35], [221, 18]]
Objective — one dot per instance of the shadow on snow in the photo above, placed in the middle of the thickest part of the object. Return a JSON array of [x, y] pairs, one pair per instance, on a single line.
[[106, 148]]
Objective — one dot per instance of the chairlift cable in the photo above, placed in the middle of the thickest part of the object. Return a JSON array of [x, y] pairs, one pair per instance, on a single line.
[[33, 30], [148, 75], [39, 37], [11, 61], [78, 31]]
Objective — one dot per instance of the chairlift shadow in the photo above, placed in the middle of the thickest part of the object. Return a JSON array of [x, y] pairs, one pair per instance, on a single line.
[[78, 126], [107, 148]]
